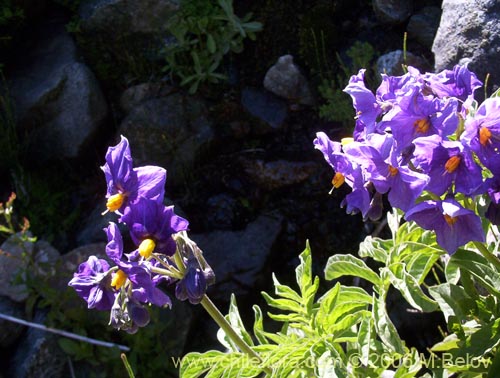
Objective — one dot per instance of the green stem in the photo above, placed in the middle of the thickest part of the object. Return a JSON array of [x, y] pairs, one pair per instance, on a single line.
[[487, 254], [214, 312]]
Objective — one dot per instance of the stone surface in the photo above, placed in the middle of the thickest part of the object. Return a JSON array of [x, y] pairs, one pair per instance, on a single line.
[[237, 257], [14, 254], [423, 25], [393, 11], [10, 331], [284, 79], [137, 94], [277, 174], [392, 63], [469, 33], [58, 100], [172, 132], [38, 354], [266, 107]]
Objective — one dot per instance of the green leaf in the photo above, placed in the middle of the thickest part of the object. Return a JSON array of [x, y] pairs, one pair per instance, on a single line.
[[450, 342], [452, 300], [258, 325], [218, 364], [211, 46], [385, 328], [70, 347], [348, 265], [375, 248], [233, 317], [303, 272], [409, 288]]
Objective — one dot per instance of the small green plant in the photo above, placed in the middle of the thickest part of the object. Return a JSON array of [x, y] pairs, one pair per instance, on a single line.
[[204, 33], [337, 105]]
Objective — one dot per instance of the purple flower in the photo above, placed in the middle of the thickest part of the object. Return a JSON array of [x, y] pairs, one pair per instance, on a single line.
[[92, 282], [192, 286], [417, 115], [125, 184], [459, 83], [383, 169], [447, 163], [482, 133], [143, 288], [152, 225], [453, 224]]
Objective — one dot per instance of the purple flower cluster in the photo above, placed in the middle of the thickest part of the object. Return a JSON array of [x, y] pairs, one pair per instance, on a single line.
[[131, 284], [420, 139]]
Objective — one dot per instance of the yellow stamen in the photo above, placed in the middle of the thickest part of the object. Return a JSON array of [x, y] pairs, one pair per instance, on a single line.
[[450, 220], [393, 171], [452, 164], [422, 125], [484, 135], [146, 248], [346, 141], [118, 279], [338, 180], [115, 202]]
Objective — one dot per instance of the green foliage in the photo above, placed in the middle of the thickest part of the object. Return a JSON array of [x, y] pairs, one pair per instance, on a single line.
[[204, 33], [337, 105]]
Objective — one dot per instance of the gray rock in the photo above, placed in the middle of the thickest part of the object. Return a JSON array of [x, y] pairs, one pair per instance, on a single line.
[[57, 99], [171, 132], [393, 11], [266, 107], [469, 32], [277, 174], [10, 331], [237, 257], [392, 63], [284, 79], [423, 25], [38, 354], [92, 227], [14, 254], [137, 94], [124, 17]]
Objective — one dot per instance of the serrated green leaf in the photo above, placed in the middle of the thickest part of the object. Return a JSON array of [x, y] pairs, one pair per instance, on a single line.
[[348, 265], [234, 318], [303, 272], [285, 291], [283, 304]]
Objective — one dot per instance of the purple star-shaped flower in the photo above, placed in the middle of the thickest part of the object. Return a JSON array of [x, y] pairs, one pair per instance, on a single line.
[[453, 224], [92, 282], [143, 287], [151, 220], [125, 183], [482, 133], [447, 163]]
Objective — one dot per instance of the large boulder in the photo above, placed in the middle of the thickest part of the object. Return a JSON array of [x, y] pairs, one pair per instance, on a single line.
[[57, 100], [469, 33]]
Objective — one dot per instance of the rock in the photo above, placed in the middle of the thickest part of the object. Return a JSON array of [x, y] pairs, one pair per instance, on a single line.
[[222, 211], [469, 32], [38, 354], [171, 132], [137, 94], [277, 174], [423, 25], [46, 257], [57, 99], [392, 63], [10, 330], [266, 107], [285, 80], [237, 257], [393, 11], [14, 254], [91, 230]]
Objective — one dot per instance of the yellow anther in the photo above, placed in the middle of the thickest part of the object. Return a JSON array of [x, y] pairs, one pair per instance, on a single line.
[[146, 248], [346, 141], [118, 279], [115, 202], [338, 180], [484, 135], [450, 220], [393, 171], [422, 125], [452, 164]]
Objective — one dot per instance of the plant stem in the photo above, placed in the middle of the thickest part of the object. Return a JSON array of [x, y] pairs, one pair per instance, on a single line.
[[214, 312], [487, 254]]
